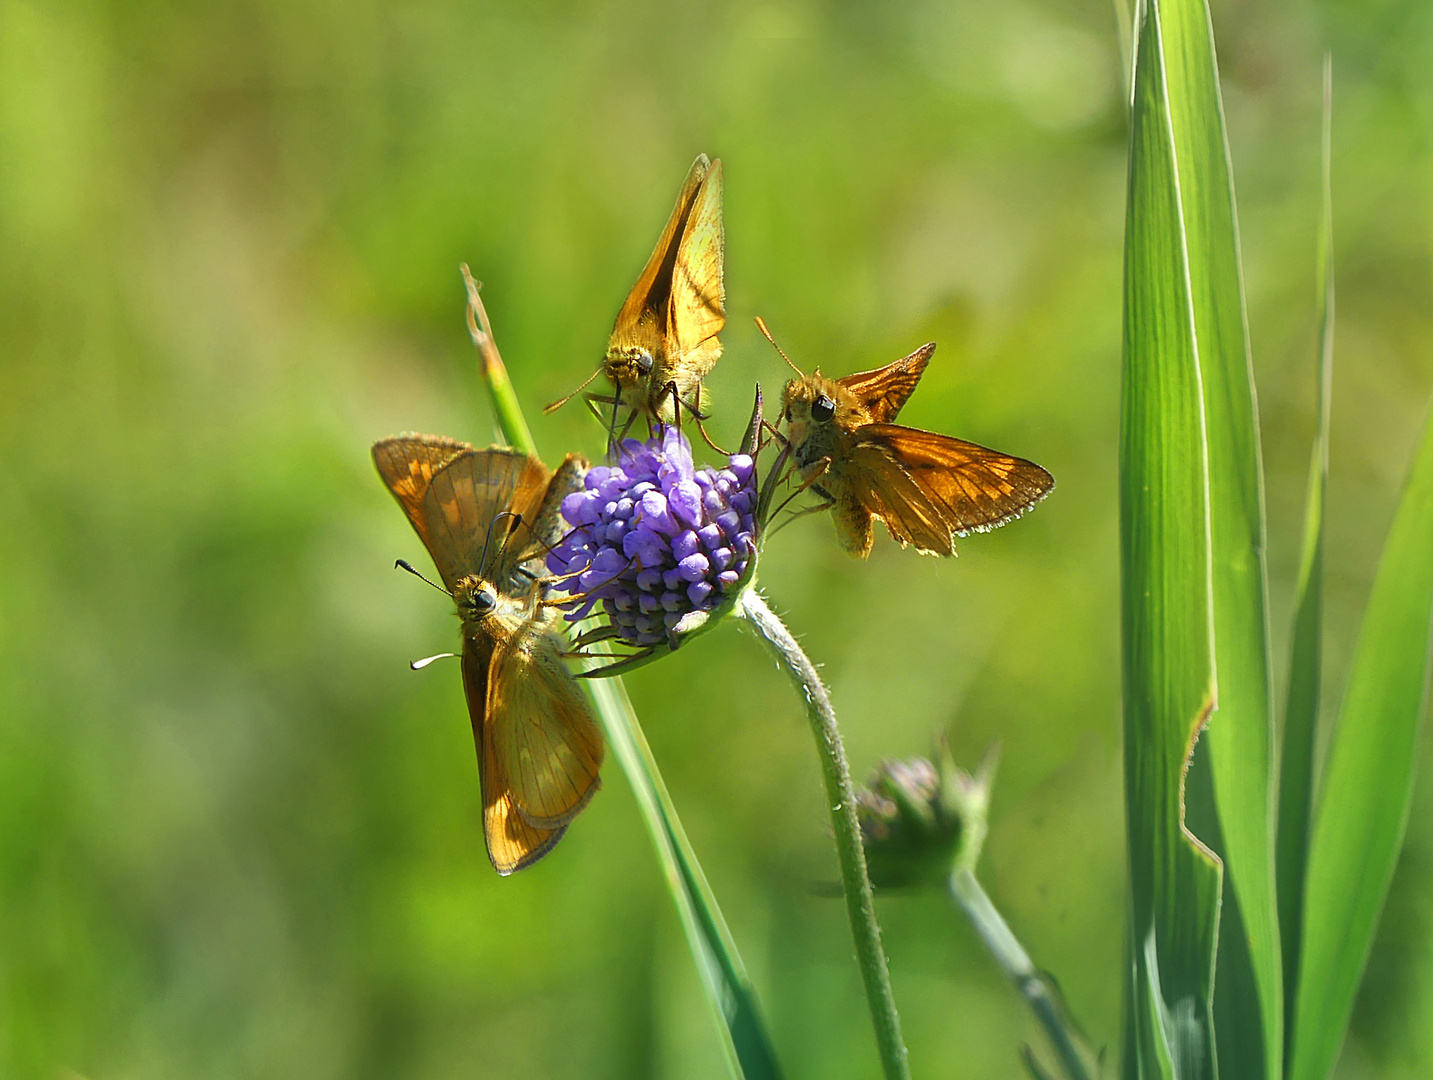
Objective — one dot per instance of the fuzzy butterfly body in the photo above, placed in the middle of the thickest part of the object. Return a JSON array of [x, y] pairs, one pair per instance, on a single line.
[[927, 488], [488, 517]]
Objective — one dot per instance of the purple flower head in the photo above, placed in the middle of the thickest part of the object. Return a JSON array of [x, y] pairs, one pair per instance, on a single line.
[[657, 542]]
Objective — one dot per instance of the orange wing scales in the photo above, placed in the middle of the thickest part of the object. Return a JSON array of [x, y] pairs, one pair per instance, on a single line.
[[927, 488], [883, 391], [484, 515], [952, 484]]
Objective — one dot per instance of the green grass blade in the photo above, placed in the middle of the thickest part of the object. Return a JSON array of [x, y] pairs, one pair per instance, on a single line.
[[744, 1040], [1167, 632], [1239, 825], [1364, 797], [1296, 777], [718, 961]]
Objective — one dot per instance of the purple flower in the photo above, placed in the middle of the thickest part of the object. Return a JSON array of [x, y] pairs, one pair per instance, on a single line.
[[655, 541]]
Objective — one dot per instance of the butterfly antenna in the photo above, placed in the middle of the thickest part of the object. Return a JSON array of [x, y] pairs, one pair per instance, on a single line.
[[560, 402], [488, 539], [761, 325], [419, 665], [404, 564]]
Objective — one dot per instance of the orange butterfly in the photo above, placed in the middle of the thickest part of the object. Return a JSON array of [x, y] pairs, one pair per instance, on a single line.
[[487, 518], [665, 339], [927, 488]]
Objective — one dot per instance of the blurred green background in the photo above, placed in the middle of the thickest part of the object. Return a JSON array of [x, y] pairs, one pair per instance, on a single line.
[[239, 838]]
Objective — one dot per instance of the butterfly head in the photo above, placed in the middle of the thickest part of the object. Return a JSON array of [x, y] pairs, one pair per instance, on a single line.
[[817, 412], [628, 367], [477, 600]]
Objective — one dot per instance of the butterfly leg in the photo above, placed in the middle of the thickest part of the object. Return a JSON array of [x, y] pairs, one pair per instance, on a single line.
[[615, 438], [605, 632], [678, 404], [708, 438], [568, 601], [808, 483], [626, 663]]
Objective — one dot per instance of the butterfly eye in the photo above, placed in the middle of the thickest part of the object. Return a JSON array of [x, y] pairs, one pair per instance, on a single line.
[[822, 409], [484, 601], [644, 361]]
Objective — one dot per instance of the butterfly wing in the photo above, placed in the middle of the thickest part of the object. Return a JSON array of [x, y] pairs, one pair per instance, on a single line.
[[539, 527], [512, 843], [452, 493], [540, 730], [647, 300], [883, 391], [697, 302], [930, 488]]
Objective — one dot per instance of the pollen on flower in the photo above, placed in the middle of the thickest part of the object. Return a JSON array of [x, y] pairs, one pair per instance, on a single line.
[[655, 539]]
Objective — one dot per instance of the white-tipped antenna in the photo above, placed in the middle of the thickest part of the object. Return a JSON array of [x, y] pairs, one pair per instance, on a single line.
[[419, 665], [761, 325], [404, 564]]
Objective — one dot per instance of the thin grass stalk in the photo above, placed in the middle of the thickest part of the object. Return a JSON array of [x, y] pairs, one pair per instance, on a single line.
[[965, 889]]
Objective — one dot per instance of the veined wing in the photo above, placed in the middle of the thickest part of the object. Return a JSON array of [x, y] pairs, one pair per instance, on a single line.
[[647, 302], [539, 529], [453, 493], [929, 488], [883, 391], [512, 843], [697, 304], [540, 730]]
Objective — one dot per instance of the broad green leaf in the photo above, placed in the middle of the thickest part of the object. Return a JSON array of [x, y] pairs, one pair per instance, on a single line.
[[748, 1050], [1167, 601], [1363, 800], [1248, 994], [1296, 776]]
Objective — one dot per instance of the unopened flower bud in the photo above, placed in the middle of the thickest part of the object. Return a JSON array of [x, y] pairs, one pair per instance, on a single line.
[[920, 820]]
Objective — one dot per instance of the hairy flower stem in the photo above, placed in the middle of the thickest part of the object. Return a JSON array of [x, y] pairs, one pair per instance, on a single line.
[[1015, 962], [852, 856]]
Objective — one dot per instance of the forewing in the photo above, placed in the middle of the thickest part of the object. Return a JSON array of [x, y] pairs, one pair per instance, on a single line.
[[972, 487], [698, 295], [541, 526], [512, 843], [882, 392], [451, 493], [540, 729], [650, 292]]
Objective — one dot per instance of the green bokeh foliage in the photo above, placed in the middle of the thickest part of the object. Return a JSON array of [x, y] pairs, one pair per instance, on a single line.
[[238, 838]]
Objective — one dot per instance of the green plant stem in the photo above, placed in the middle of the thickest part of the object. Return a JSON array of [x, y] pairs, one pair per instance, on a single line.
[[855, 883], [495, 373], [1015, 962]]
